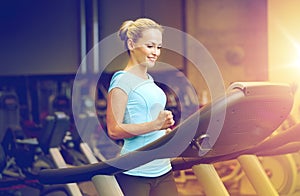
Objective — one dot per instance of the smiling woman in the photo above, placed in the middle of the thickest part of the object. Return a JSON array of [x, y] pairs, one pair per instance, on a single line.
[[136, 109]]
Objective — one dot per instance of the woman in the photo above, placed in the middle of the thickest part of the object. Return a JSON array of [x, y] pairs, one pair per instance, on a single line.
[[135, 110]]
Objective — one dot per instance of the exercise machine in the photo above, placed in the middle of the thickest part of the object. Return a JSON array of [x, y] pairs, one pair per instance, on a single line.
[[106, 184], [277, 156], [15, 145], [9, 116], [225, 129], [55, 127]]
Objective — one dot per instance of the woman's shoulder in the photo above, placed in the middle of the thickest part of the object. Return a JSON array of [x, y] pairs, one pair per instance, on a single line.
[[120, 80], [118, 73], [118, 76]]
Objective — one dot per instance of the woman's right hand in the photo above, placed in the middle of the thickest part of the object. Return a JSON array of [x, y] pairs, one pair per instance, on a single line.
[[165, 119]]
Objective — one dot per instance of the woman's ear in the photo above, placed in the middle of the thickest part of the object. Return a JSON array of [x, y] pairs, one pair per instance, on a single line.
[[130, 44]]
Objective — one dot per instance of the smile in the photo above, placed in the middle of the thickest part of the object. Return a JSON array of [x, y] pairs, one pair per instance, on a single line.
[[152, 59]]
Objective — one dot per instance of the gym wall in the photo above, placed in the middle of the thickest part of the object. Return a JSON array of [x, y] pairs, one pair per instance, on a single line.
[[235, 34], [39, 37]]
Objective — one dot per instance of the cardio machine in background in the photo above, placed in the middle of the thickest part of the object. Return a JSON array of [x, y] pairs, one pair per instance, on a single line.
[[24, 156]]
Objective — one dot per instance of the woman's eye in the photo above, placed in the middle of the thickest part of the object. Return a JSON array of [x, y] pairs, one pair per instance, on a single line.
[[152, 46]]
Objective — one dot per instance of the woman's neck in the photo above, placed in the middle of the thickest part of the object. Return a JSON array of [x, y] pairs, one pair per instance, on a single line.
[[137, 69]]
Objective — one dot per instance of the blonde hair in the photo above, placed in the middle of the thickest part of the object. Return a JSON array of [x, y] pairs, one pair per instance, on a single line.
[[133, 29]]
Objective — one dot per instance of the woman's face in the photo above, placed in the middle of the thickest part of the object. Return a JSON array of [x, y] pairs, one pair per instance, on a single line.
[[147, 48]]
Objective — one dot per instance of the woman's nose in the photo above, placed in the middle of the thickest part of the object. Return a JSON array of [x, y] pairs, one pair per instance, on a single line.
[[155, 51]]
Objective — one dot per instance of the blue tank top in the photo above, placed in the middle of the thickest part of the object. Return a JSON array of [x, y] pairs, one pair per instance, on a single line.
[[145, 101]]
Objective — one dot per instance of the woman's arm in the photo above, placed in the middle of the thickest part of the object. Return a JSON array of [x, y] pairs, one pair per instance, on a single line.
[[116, 104]]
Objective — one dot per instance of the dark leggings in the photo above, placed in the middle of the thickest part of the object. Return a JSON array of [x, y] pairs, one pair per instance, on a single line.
[[147, 186]]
